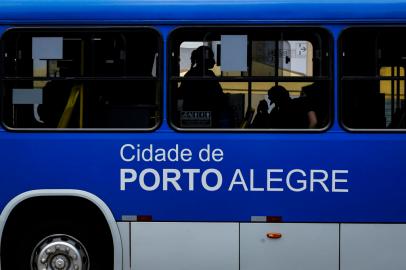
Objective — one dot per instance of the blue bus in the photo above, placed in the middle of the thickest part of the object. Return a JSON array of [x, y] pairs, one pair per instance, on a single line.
[[202, 135]]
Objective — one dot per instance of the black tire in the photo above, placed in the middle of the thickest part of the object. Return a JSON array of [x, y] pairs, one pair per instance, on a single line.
[[21, 236]]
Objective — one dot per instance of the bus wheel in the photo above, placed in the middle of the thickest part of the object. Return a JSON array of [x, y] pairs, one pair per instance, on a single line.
[[37, 237], [60, 252]]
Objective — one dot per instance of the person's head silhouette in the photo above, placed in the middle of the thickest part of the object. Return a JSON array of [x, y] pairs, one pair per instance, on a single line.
[[262, 107], [278, 95], [202, 58]]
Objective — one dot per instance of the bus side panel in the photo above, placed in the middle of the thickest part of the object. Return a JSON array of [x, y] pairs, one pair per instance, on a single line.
[[315, 178], [184, 246], [373, 246], [289, 246]]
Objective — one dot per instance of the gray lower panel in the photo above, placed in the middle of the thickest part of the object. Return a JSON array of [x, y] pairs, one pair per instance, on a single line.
[[300, 247], [373, 246], [184, 246]]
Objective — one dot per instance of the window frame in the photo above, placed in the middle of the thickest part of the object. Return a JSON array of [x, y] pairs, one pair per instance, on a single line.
[[341, 77], [54, 30], [253, 79]]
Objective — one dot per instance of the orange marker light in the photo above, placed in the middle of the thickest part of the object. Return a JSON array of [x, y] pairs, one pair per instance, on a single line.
[[274, 235]]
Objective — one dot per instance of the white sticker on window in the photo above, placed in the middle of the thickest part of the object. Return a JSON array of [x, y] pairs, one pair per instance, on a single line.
[[234, 52], [27, 96], [47, 48]]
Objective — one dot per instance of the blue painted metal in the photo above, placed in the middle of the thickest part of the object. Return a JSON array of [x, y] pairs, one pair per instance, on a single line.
[[91, 161], [167, 11]]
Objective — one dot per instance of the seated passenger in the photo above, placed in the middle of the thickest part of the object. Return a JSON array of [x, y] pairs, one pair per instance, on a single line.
[[203, 95], [290, 113], [281, 115], [317, 98], [398, 119], [56, 96], [306, 109], [261, 119]]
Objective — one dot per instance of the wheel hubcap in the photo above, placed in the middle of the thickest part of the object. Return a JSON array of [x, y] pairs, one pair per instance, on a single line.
[[59, 252]]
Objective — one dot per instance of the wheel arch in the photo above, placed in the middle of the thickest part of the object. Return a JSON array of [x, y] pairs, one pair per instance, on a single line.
[[103, 208]]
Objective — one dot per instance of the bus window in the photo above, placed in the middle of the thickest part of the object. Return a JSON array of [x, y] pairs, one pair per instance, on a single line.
[[372, 79], [81, 79], [228, 79]]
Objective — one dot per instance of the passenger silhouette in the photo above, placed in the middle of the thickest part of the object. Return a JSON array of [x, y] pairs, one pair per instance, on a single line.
[[307, 113], [290, 113], [281, 116], [262, 118], [203, 95], [398, 119], [315, 97], [55, 97]]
